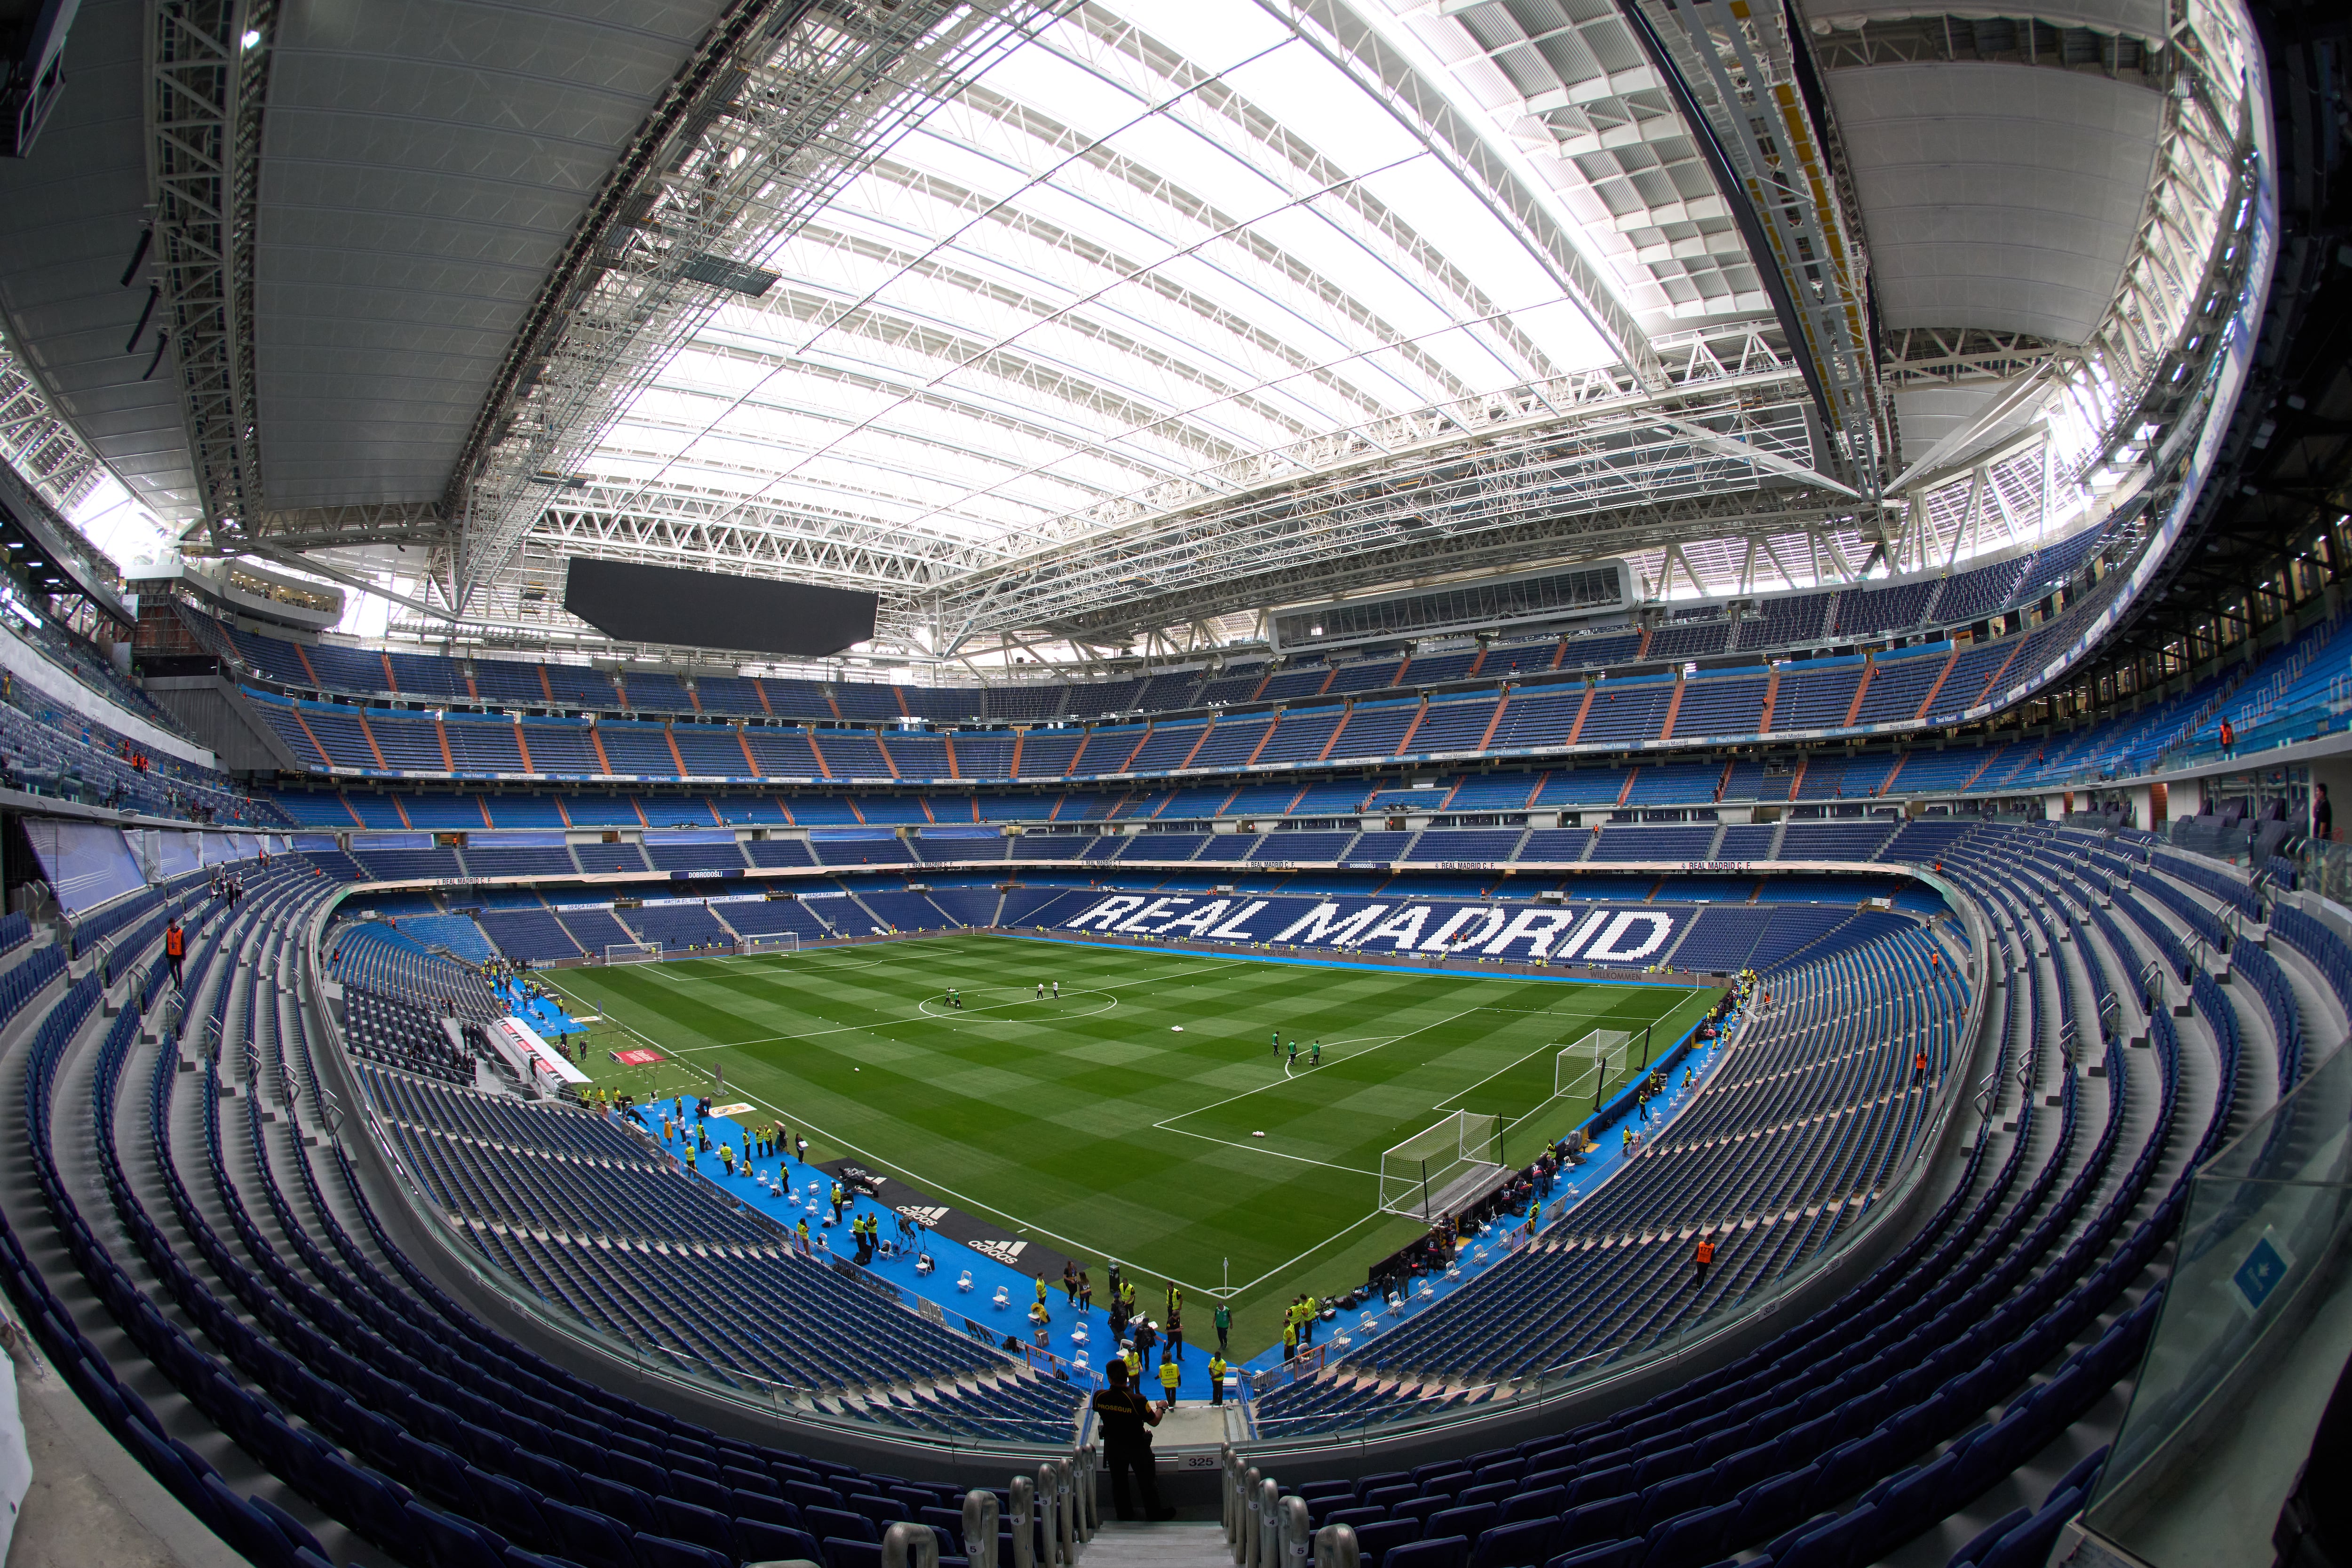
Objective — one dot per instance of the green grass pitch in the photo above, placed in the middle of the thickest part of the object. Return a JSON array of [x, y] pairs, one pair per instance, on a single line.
[[1121, 1122]]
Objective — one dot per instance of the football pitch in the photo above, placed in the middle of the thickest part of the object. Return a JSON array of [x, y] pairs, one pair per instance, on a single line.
[[1146, 1115]]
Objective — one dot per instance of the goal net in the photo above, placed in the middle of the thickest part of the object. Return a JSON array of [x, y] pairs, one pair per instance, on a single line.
[[1583, 1068], [1432, 1171], [633, 953], [784, 941]]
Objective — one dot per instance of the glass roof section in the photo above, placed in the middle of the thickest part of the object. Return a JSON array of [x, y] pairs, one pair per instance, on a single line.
[[1152, 240]]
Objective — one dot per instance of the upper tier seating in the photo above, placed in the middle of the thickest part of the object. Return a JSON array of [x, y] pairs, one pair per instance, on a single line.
[[1800, 621], [2285, 698], [51, 751]]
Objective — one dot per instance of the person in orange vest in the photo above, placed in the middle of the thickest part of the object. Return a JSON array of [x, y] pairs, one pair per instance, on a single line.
[[1701, 1255], [175, 948], [1919, 1065]]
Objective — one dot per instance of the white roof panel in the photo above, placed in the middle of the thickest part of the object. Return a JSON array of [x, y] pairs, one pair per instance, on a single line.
[[423, 163], [1994, 195]]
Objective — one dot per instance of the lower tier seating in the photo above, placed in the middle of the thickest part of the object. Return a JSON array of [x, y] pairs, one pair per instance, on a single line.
[[246, 1326]]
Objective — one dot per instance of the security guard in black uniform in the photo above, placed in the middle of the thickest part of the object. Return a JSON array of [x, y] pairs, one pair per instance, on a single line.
[[1126, 1418]]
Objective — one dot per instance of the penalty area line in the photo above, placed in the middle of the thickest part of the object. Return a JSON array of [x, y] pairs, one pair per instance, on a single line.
[[1553, 1046], [1254, 1149]]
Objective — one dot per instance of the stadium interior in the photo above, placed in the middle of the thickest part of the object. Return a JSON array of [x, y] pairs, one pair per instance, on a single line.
[[1742, 608]]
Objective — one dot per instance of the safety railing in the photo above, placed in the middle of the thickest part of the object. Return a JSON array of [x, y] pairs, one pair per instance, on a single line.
[[1267, 1528]]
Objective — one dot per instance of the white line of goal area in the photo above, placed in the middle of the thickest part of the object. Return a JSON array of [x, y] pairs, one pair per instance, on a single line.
[[1384, 1041]]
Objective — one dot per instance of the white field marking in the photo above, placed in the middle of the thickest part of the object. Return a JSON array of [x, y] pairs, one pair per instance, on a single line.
[[820, 962], [947, 1012], [1024, 1227], [1351, 1040], [1386, 1041], [1165, 1125], [1252, 1284], [1260, 1149], [1554, 1046], [1021, 1227]]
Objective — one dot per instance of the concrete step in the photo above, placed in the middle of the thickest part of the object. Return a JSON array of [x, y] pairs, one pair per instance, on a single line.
[[1176, 1544]]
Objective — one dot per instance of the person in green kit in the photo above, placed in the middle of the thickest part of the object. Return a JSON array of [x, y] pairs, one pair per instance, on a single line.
[[1224, 1318], [1315, 1057]]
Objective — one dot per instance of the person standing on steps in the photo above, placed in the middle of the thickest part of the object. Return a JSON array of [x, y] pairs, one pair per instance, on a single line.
[[1126, 1419], [1701, 1255], [175, 948]]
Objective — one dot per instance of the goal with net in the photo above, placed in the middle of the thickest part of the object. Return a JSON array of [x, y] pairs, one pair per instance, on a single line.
[[1436, 1171], [783, 941], [1583, 1068], [633, 953]]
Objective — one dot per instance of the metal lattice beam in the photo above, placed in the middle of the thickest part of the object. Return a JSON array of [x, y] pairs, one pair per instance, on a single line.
[[415, 523], [38, 442], [206, 75], [1590, 441], [1439, 498], [784, 106], [1739, 65], [1520, 541]]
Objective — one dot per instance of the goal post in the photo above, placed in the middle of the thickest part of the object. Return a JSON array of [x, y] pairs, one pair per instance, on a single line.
[[1430, 1171], [633, 953], [782, 942], [1584, 1067]]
